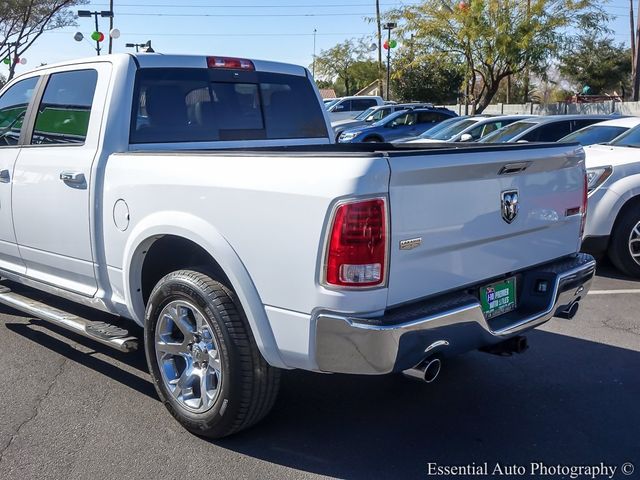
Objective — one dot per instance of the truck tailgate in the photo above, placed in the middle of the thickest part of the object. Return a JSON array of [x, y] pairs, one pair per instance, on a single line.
[[448, 205]]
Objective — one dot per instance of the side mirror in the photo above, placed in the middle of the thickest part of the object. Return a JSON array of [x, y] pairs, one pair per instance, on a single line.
[[466, 137]]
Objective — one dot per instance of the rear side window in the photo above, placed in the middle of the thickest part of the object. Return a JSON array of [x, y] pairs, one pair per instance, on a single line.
[[65, 109], [361, 104], [192, 105], [430, 117], [13, 106], [550, 132]]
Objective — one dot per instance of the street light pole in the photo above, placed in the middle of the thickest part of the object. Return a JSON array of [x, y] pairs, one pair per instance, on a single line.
[[389, 26], [103, 13]]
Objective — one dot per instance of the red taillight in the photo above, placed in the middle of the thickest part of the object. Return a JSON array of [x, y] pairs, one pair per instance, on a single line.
[[585, 201], [232, 63], [357, 247]]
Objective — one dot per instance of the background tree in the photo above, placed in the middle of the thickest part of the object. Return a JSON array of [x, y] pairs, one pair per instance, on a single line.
[[23, 21], [347, 66], [425, 78], [598, 62], [496, 38]]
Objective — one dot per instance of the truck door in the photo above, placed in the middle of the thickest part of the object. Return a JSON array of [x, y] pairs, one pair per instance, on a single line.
[[13, 107], [52, 197]]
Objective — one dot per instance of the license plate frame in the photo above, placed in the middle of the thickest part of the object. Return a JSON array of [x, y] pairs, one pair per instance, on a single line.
[[494, 302]]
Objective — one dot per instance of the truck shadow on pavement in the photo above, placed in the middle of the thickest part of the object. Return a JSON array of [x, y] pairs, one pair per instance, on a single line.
[[565, 401]]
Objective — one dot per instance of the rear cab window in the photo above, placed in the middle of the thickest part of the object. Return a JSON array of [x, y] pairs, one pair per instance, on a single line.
[[203, 105]]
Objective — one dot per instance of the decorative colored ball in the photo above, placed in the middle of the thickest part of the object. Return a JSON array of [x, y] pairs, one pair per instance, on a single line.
[[23, 61], [114, 33], [463, 6], [385, 45], [97, 36], [101, 37], [7, 61], [78, 37], [393, 44]]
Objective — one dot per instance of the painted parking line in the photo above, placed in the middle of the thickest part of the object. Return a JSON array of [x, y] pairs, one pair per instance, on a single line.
[[614, 292]]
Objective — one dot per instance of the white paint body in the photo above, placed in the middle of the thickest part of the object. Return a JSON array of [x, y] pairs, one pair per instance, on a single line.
[[263, 216], [624, 184]]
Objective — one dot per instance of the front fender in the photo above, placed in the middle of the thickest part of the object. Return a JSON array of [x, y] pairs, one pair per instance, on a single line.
[[205, 235]]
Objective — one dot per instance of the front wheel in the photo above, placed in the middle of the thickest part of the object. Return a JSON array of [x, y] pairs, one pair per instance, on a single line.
[[202, 357], [624, 250]]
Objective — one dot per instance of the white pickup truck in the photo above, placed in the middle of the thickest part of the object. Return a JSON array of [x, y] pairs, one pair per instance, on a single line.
[[202, 198]]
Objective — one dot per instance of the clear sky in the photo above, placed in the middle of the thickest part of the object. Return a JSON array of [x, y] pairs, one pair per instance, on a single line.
[[266, 29]]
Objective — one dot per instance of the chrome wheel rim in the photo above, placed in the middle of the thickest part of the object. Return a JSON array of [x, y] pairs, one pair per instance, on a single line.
[[634, 243], [188, 356]]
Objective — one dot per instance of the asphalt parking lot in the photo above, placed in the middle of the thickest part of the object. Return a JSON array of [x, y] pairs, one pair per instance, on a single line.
[[70, 409]]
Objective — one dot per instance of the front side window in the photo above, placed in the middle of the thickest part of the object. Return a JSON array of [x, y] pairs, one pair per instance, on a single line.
[[65, 109], [13, 106], [187, 105]]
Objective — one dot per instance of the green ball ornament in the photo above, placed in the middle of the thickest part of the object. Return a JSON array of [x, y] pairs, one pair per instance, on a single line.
[[6, 61], [95, 36], [393, 44]]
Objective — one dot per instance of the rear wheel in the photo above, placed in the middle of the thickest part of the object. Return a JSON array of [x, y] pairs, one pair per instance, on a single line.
[[624, 250], [372, 140], [203, 360]]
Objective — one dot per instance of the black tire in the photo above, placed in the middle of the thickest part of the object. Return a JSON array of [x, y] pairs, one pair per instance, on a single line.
[[249, 385], [619, 252], [372, 140]]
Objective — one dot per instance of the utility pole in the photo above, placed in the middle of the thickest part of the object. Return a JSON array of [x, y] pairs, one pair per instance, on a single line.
[[633, 41], [313, 68], [110, 26], [380, 44], [526, 68], [636, 62]]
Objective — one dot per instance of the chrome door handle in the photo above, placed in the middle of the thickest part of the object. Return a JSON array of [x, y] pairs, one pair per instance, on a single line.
[[73, 178], [4, 176]]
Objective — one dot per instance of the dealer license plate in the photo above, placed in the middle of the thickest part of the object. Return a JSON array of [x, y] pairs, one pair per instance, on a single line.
[[498, 298]]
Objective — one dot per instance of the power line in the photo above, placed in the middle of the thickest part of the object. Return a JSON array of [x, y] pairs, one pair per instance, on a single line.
[[342, 5], [244, 14], [236, 34]]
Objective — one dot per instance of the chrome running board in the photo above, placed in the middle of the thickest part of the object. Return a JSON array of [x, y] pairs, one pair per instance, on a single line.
[[102, 332]]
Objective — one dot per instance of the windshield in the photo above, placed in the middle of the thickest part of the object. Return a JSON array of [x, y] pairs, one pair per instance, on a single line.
[[454, 129], [507, 133], [631, 138], [365, 114], [330, 103], [440, 127], [594, 134]]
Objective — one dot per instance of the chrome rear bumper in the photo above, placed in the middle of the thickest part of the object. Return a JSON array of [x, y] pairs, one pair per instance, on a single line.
[[448, 325]]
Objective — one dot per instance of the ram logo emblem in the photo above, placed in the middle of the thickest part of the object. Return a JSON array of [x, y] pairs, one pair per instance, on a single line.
[[509, 205]]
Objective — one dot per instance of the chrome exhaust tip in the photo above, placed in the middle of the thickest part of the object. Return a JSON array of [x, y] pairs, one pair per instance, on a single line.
[[570, 312], [426, 371]]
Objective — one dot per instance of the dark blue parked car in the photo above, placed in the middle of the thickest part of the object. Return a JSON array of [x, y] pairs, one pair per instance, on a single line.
[[406, 123]]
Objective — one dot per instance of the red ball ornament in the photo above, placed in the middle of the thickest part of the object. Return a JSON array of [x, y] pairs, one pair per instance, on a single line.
[[385, 45], [101, 37], [463, 6]]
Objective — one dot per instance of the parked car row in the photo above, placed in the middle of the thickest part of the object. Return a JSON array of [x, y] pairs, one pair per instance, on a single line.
[[612, 149]]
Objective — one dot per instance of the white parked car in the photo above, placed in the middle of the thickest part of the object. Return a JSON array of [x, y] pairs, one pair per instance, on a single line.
[[601, 132], [613, 223], [203, 199], [350, 107]]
